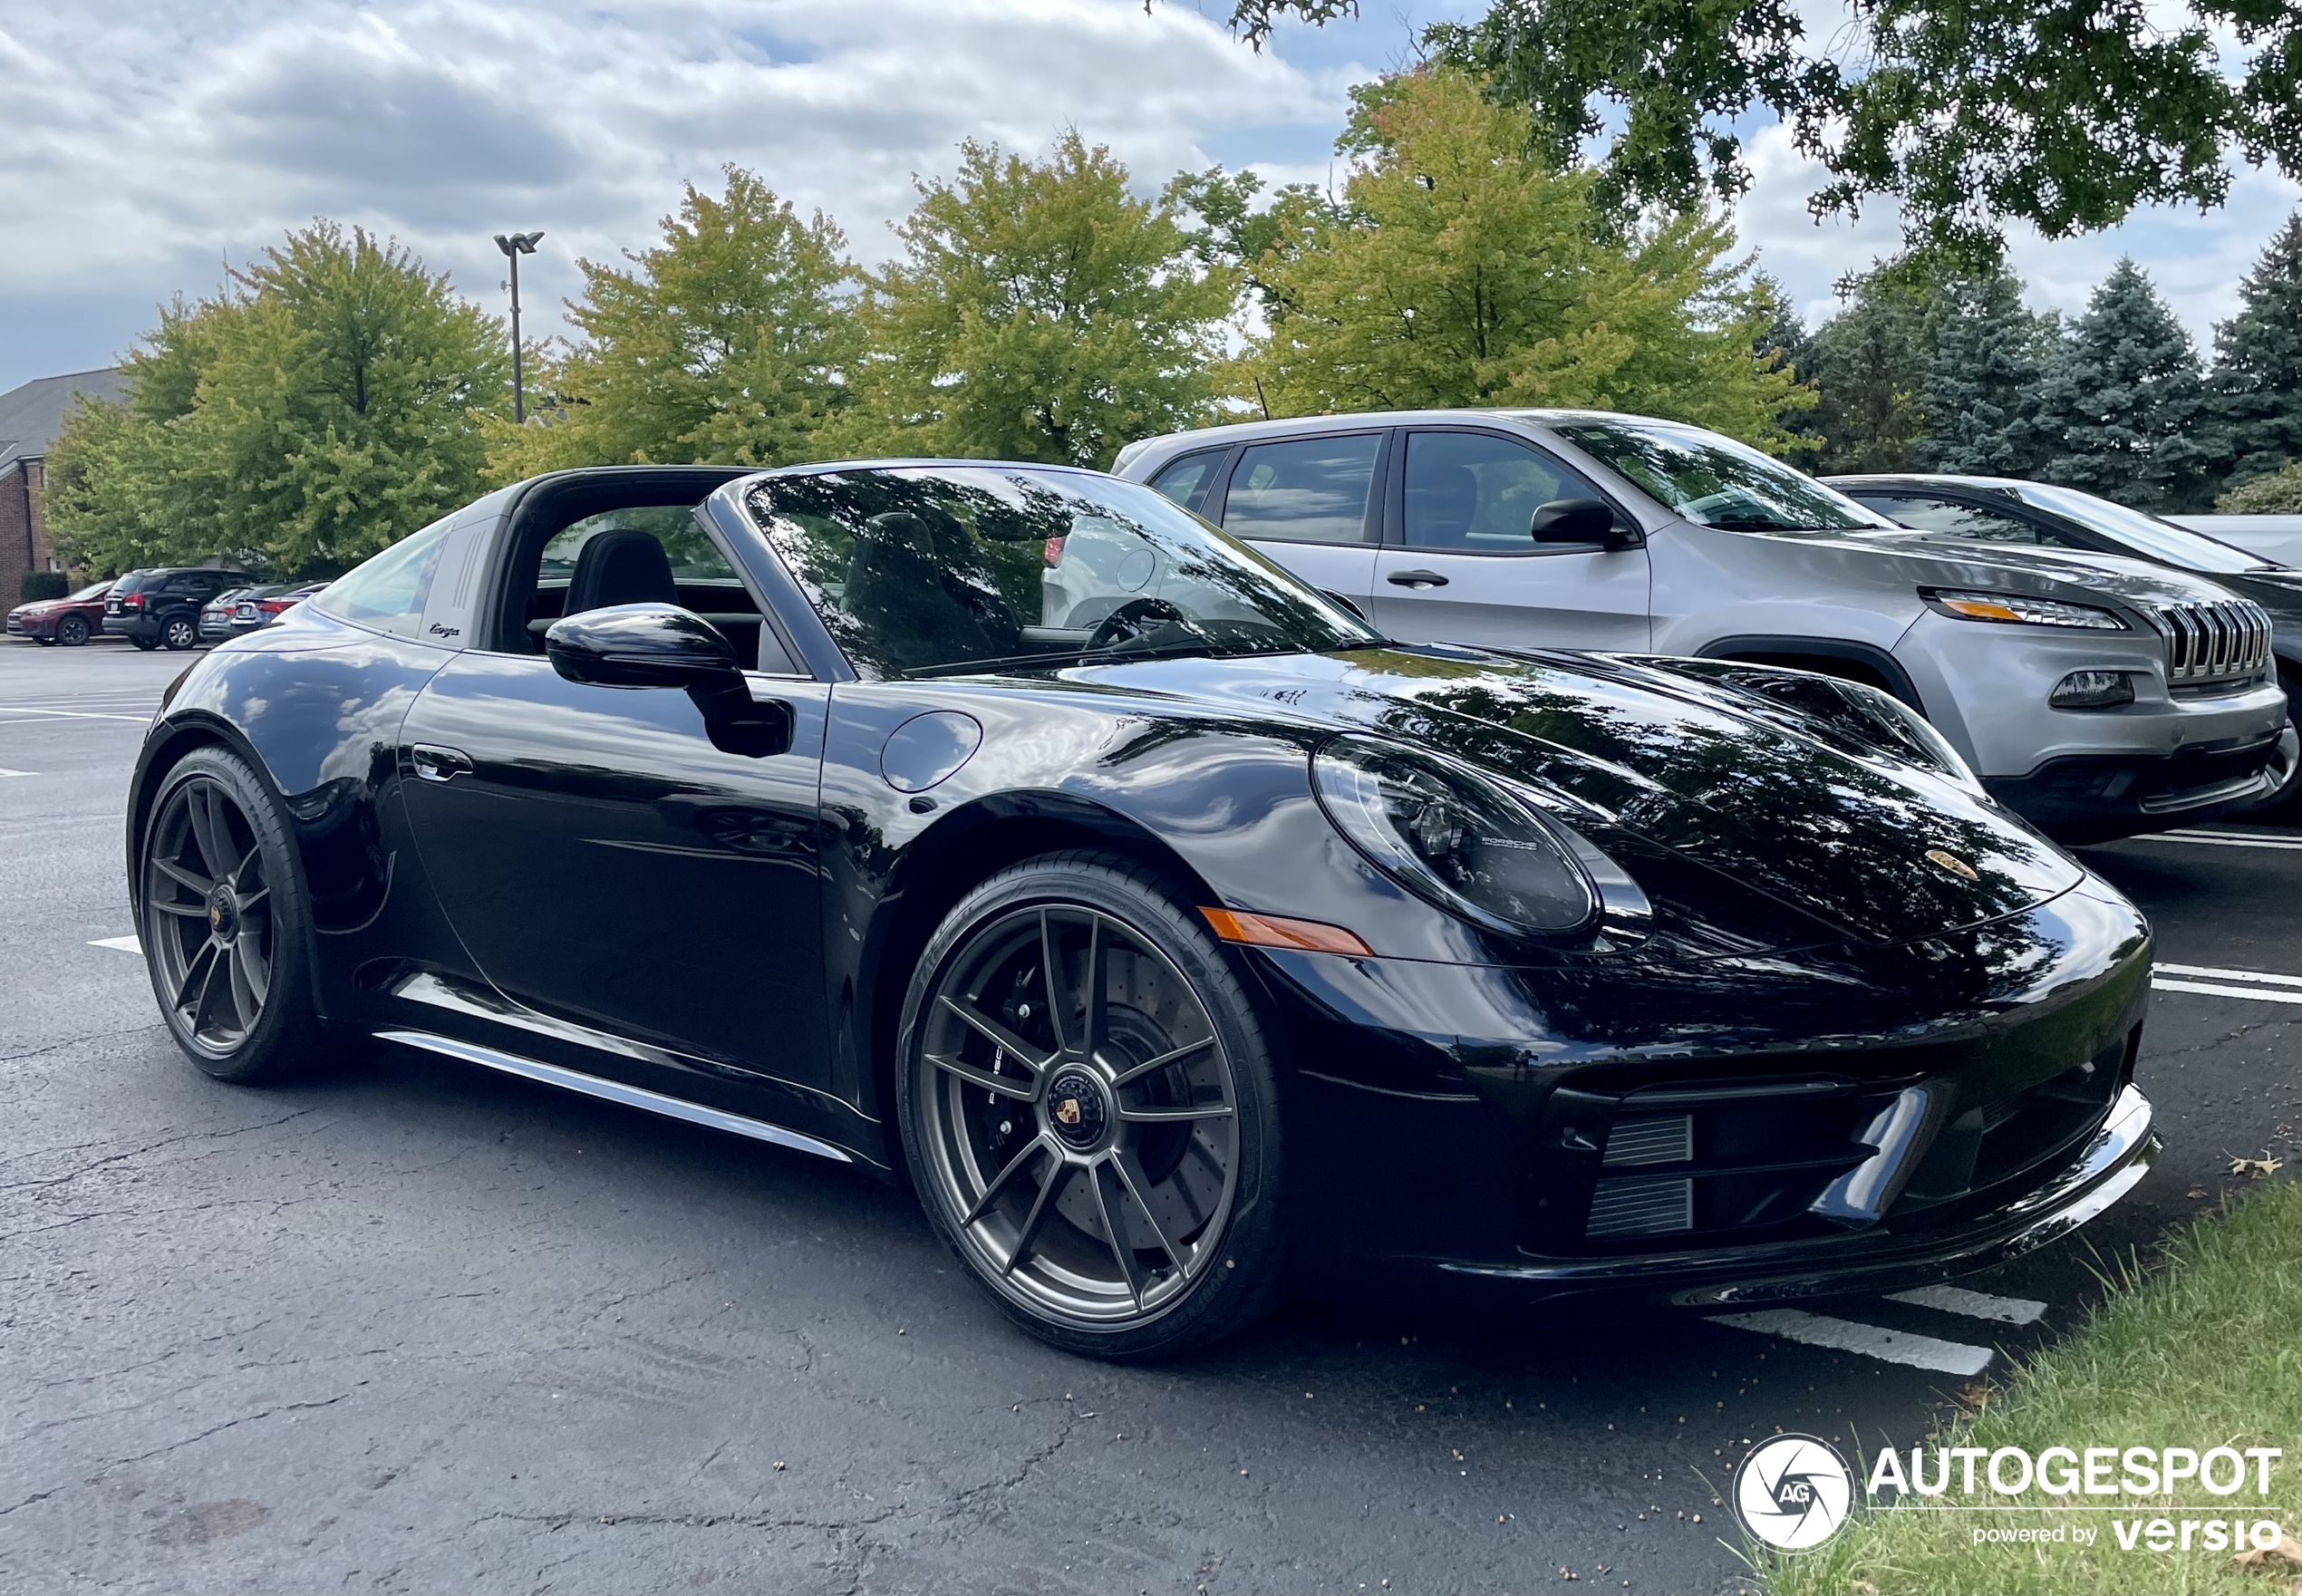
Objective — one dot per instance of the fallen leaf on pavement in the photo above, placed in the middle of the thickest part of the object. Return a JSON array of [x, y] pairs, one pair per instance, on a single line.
[[2260, 1169]]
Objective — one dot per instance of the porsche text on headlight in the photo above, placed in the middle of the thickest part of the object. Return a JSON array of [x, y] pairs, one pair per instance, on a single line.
[[1453, 838]]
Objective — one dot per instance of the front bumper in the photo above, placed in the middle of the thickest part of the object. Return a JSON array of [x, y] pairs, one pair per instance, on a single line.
[[1889, 1116], [2097, 797]]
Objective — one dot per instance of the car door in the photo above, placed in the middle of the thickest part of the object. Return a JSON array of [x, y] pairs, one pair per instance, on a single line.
[[1309, 503], [1458, 564], [603, 862]]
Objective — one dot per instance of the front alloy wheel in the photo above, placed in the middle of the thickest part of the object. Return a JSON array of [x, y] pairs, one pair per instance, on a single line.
[[179, 633], [1089, 1121]]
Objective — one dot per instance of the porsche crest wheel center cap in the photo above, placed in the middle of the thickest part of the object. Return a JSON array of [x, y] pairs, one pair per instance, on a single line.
[[1077, 1108], [223, 915]]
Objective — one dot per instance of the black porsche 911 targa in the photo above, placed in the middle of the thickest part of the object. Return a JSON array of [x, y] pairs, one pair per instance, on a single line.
[[1007, 830]]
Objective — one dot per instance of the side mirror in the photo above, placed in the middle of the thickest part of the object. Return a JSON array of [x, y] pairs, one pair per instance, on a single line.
[[638, 645], [663, 645], [1575, 520]]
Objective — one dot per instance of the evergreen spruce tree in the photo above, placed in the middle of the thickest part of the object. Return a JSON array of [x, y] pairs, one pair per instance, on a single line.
[[2257, 380], [1870, 363], [2123, 409], [1987, 358]]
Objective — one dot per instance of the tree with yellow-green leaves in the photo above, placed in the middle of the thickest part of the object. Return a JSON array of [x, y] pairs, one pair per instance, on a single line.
[[724, 344], [1458, 268], [325, 404], [1039, 312]]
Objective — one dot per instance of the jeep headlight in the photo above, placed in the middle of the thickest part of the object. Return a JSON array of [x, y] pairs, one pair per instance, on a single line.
[[2017, 609]]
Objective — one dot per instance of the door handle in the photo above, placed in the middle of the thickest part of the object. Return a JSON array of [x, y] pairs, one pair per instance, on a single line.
[[434, 763], [1416, 579]]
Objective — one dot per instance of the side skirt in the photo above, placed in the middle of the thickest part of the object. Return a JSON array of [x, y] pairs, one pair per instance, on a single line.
[[615, 1092]]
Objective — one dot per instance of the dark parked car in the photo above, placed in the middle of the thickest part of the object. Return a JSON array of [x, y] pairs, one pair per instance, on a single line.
[[243, 610], [2004, 510], [160, 609], [70, 621], [216, 614], [1010, 829], [261, 609]]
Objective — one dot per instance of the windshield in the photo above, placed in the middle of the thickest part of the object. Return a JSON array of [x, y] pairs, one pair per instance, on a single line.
[[1714, 481], [2146, 534], [935, 570], [93, 590]]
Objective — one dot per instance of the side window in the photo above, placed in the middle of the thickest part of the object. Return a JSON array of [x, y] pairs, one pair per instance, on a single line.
[[1305, 490], [648, 554], [1475, 493], [1186, 480], [1955, 521], [388, 592]]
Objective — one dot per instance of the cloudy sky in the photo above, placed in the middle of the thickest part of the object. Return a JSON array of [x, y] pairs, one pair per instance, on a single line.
[[148, 143]]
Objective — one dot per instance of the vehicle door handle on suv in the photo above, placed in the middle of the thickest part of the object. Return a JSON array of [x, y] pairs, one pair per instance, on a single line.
[[1416, 579], [434, 763]]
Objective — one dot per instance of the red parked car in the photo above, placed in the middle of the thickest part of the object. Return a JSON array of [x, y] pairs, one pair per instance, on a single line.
[[71, 621]]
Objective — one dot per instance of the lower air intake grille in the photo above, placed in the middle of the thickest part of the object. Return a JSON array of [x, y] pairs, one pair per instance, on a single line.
[[1667, 1140], [1642, 1207]]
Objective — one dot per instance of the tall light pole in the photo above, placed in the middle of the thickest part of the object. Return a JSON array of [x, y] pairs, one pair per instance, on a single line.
[[514, 246]]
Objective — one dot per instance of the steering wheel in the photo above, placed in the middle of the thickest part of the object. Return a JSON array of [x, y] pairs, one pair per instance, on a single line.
[[1137, 619]]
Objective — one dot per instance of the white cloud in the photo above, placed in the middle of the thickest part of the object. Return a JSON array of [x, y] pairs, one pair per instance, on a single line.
[[2196, 259], [210, 132]]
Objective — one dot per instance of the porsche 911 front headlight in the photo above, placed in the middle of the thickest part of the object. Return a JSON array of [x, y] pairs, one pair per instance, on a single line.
[[1453, 838]]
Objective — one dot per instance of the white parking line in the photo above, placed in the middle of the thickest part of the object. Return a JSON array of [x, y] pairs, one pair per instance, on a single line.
[[2215, 989], [2264, 976], [1973, 1304], [69, 714], [2209, 839], [126, 944], [1844, 1335], [7, 773]]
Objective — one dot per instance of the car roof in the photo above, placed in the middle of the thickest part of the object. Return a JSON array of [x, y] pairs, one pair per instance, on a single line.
[[2005, 485]]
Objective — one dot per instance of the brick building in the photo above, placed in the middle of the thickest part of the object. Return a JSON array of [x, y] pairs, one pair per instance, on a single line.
[[30, 418]]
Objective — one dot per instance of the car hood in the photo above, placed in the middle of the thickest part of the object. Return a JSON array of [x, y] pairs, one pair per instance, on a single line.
[[1682, 763], [2077, 575]]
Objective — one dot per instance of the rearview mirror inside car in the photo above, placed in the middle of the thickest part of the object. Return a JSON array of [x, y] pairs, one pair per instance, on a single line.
[[1575, 520]]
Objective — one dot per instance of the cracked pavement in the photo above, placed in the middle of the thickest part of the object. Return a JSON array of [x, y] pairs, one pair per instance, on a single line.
[[416, 1327]]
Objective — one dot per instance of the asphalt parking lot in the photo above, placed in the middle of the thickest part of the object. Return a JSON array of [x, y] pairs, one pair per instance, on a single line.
[[420, 1326]]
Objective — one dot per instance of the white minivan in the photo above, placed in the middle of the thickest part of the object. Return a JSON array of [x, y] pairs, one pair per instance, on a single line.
[[2097, 696]]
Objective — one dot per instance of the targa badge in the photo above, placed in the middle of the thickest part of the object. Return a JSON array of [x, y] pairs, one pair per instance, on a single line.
[[1793, 1491]]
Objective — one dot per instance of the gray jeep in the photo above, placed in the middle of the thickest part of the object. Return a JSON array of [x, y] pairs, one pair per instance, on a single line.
[[2097, 696]]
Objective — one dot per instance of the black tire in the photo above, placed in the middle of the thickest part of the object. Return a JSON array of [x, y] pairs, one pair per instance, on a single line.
[[142, 642], [73, 630], [1196, 1141], [216, 829], [179, 633]]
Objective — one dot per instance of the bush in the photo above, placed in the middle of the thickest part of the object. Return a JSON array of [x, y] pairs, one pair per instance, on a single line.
[[45, 584], [2277, 494]]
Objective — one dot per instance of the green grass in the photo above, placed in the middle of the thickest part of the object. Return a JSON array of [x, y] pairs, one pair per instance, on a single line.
[[2204, 1350]]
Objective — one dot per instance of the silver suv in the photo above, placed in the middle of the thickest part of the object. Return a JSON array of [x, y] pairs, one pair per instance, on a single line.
[[2077, 686]]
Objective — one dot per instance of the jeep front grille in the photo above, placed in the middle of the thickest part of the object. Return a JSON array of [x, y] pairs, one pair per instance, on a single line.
[[2214, 642]]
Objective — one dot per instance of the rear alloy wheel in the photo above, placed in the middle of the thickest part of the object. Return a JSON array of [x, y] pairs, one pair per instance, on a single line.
[[1089, 1111], [223, 921], [73, 630], [179, 633]]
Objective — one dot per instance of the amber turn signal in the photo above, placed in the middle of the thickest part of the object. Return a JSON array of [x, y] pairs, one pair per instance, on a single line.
[[1274, 931]]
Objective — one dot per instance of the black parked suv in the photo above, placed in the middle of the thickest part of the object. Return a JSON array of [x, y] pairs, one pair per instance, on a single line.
[[160, 607]]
